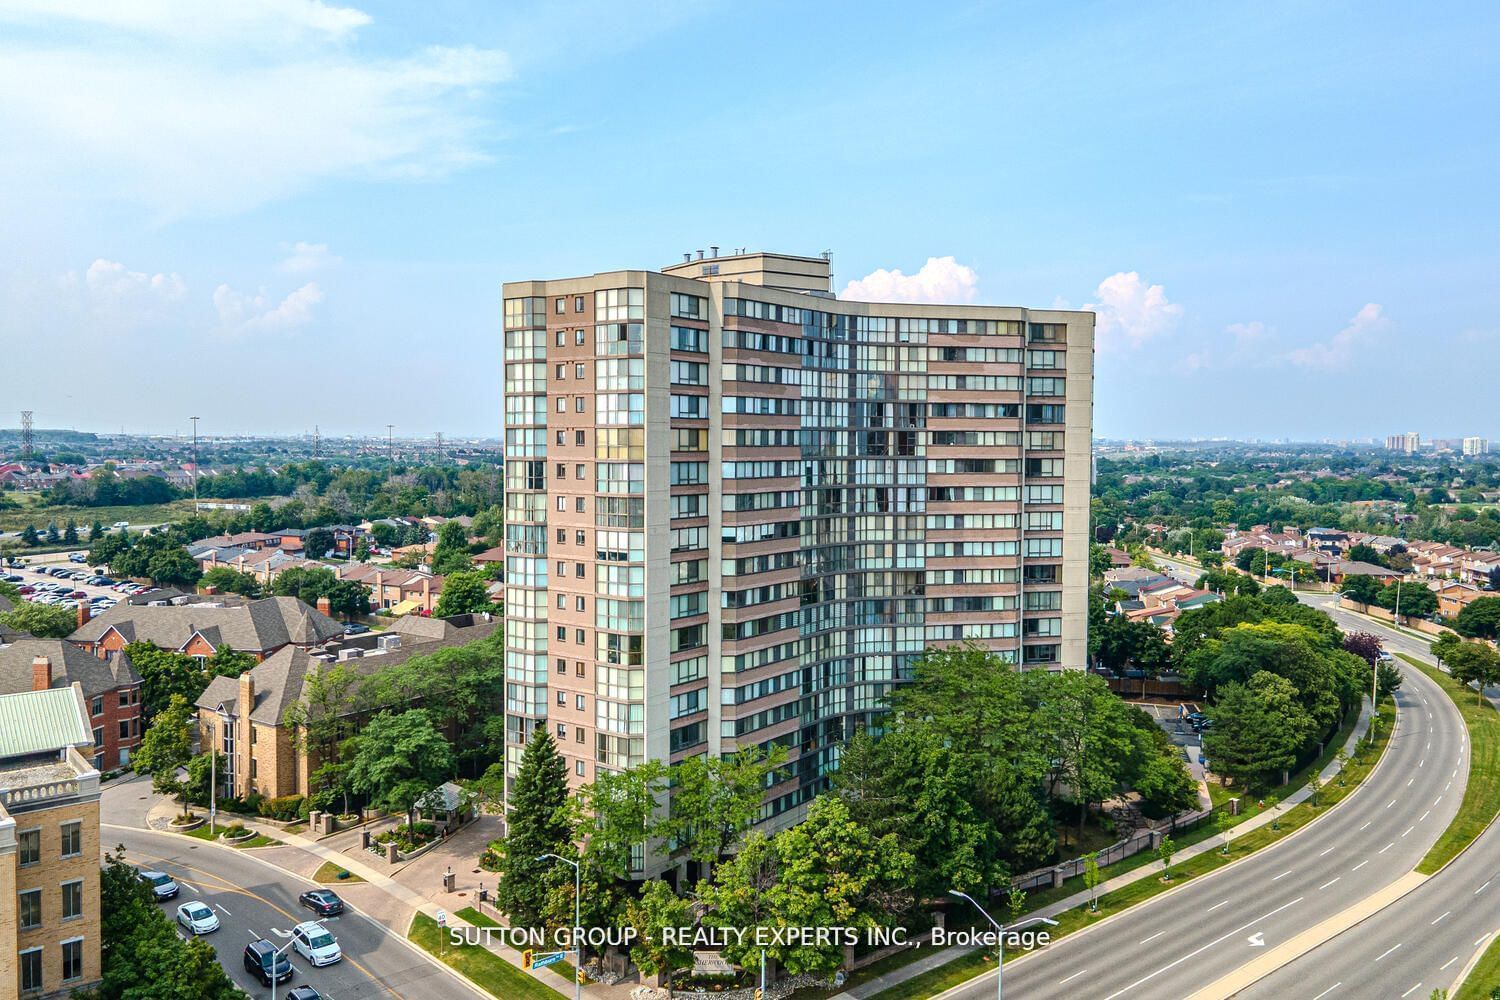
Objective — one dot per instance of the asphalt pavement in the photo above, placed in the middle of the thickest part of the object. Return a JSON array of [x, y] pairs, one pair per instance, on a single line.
[[257, 900], [1176, 943]]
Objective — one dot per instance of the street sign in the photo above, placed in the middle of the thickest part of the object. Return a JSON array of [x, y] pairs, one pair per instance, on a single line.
[[551, 957]]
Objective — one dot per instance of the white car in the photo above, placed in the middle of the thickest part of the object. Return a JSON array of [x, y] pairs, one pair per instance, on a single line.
[[313, 942], [197, 917], [122, 524]]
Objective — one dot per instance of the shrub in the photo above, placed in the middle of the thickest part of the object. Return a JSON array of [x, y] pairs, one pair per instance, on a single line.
[[285, 807]]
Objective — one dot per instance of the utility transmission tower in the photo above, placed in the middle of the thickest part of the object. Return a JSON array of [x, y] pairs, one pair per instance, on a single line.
[[195, 462], [28, 438], [390, 443], [315, 442], [440, 447]]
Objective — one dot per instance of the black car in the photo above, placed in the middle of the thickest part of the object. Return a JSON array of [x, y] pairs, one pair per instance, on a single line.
[[303, 993], [323, 902], [265, 963]]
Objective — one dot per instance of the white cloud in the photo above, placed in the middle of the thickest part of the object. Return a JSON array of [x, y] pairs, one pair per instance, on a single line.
[[941, 279], [191, 108], [1339, 350], [240, 312], [1131, 312], [306, 257], [112, 281]]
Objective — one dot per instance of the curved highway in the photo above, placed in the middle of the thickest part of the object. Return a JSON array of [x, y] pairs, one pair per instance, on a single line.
[[1422, 941], [1179, 942]]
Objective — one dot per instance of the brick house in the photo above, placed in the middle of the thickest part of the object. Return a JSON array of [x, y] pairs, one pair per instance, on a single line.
[[259, 628], [111, 690]]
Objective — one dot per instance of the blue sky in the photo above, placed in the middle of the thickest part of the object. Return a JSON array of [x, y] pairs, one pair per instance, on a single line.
[[283, 213]]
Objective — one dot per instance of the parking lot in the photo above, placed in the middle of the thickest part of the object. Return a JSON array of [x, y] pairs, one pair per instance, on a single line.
[[62, 583], [1174, 723]]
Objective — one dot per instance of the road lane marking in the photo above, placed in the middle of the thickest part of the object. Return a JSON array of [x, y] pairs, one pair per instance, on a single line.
[[1437, 800], [1360, 865], [1411, 991], [1172, 965], [1388, 950], [1387, 847], [1408, 782], [222, 910], [1072, 977], [188, 886], [1483, 887], [1367, 823], [1329, 882], [1330, 989], [1324, 852], [1153, 937], [1481, 940], [1448, 963], [1425, 815], [1422, 762], [1282, 875], [1434, 923], [1393, 801], [1409, 829], [1217, 905]]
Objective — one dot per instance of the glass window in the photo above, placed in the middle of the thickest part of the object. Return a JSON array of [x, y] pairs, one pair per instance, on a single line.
[[29, 846], [72, 839], [31, 970], [72, 960], [72, 899]]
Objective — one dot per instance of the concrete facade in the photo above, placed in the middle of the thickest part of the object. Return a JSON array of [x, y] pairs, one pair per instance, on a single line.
[[739, 508]]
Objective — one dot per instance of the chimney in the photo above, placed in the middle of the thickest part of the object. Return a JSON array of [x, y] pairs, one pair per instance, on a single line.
[[325, 606], [700, 254], [41, 674], [713, 251], [85, 612], [247, 694]]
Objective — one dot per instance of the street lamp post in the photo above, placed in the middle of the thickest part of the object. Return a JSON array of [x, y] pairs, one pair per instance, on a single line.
[[577, 931], [999, 943]]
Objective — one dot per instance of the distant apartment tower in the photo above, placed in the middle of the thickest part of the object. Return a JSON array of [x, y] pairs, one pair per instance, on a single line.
[[1476, 446], [1410, 442], [739, 508]]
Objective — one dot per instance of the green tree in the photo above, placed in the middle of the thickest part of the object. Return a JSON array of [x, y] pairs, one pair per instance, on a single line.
[[53, 536], [96, 532], [1479, 619], [143, 958], [1083, 729], [1164, 851], [70, 533], [1362, 589], [317, 543], [166, 747], [1091, 879], [458, 686], [1387, 680], [398, 759], [451, 554], [1474, 663], [716, 799], [464, 592], [227, 580], [536, 823], [1415, 601], [1259, 727], [173, 567], [45, 621], [658, 909], [29, 537]]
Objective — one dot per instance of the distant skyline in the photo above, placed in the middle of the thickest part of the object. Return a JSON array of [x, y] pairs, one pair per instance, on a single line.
[[284, 213]]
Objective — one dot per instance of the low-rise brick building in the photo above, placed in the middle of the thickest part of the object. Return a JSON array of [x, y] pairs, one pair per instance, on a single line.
[[199, 627], [111, 690]]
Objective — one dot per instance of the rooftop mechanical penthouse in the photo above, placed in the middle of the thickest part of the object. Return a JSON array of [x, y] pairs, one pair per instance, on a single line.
[[739, 507]]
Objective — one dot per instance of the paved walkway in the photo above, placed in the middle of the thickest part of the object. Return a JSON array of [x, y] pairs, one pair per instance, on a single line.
[[941, 957]]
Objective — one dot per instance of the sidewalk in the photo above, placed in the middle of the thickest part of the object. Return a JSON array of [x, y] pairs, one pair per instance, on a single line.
[[946, 955]]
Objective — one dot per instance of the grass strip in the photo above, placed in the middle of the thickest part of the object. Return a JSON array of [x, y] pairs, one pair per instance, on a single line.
[[486, 969], [1482, 793], [1484, 977], [201, 833], [961, 969], [328, 874], [473, 916]]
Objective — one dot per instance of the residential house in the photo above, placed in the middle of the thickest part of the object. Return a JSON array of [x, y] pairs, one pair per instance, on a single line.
[[245, 717], [399, 591], [1454, 596], [49, 845], [199, 627], [111, 689], [1345, 568]]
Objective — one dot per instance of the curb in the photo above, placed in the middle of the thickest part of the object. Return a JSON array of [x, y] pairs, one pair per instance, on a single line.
[[1206, 875], [1463, 973]]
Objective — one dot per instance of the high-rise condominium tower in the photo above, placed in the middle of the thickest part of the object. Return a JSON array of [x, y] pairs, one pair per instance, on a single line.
[[738, 507]]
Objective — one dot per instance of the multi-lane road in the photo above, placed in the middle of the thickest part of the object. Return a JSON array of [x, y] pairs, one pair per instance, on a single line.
[[255, 899], [1191, 937]]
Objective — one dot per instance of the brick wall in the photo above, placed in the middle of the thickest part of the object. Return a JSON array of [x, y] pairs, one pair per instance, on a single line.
[[48, 875]]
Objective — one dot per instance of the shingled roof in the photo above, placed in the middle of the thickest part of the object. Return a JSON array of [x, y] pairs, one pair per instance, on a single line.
[[254, 627], [281, 678], [69, 663]]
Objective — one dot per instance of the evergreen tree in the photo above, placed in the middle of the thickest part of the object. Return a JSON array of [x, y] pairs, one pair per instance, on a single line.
[[29, 536], [536, 824], [70, 533], [96, 531]]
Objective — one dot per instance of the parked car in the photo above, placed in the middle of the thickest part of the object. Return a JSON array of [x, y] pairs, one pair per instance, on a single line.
[[163, 886], [77, 557], [303, 993], [197, 917], [121, 525], [316, 943], [265, 963], [323, 902], [355, 628]]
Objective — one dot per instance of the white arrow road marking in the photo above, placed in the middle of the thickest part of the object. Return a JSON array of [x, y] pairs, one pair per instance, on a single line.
[[1200, 950], [1257, 940], [1389, 950]]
